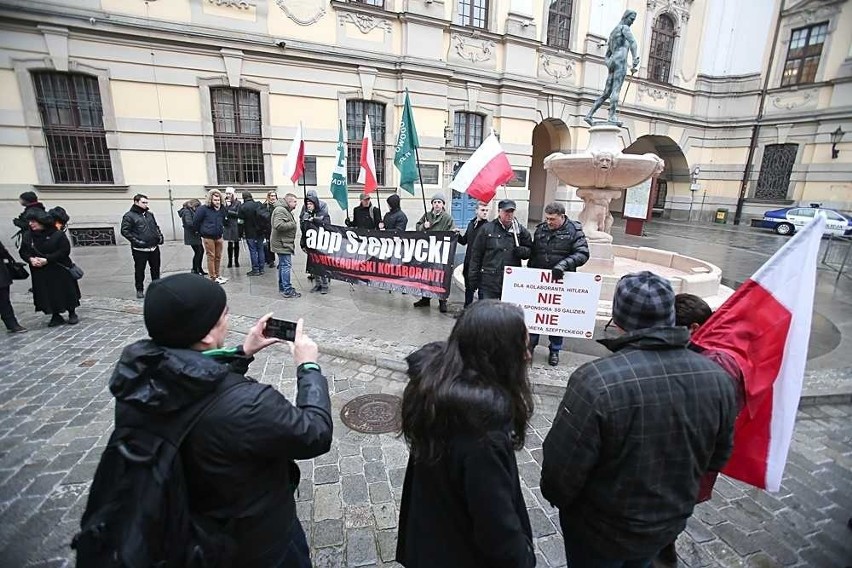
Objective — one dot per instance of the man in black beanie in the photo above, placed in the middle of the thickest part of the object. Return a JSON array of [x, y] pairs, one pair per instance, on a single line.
[[635, 432], [29, 201], [238, 459]]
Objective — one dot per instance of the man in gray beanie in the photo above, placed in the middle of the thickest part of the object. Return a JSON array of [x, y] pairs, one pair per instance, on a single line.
[[436, 220], [635, 432], [238, 458]]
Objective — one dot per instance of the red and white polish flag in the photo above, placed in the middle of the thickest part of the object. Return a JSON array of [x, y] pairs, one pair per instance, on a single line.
[[765, 326], [486, 170], [367, 174], [294, 167]]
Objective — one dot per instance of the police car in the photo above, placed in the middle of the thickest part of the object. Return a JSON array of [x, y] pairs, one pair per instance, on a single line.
[[786, 221]]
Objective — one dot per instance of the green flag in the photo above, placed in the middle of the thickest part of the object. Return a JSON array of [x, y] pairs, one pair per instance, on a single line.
[[405, 158], [338, 176]]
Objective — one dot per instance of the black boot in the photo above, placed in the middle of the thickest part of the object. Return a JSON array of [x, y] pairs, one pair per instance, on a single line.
[[442, 306], [72, 317], [230, 254], [57, 319], [237, 254], [553, 359], [423, 303]]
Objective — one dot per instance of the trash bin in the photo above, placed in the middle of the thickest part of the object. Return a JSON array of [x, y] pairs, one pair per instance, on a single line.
[[721, 216]]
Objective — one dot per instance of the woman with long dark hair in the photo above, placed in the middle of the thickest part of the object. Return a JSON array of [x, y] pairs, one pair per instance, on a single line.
[[190, 237], [48, 251], [464, 413]]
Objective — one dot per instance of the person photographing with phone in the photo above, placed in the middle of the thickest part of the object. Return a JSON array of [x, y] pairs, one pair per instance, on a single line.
[[237, 456]]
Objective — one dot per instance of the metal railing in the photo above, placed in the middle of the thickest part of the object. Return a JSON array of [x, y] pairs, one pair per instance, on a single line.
[[836, 255]]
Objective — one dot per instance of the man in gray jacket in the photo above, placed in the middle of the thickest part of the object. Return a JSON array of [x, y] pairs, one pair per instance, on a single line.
[[282, 242]]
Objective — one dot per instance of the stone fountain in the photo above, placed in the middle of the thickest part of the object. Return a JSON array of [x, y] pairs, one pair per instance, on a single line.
[[602, 173]]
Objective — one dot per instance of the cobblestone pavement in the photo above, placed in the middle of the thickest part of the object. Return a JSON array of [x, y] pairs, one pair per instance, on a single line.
[[56, 414]]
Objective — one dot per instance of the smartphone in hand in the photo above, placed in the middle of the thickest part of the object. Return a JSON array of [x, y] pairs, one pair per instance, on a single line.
[[282, 329]]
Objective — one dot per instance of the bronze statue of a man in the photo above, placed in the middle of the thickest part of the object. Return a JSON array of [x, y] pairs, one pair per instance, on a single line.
[[621, 41]]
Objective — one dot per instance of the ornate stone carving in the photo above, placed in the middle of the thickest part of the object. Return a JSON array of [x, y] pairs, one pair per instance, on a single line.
[[678, 7], [812, 11], [238, 4], [472, 49], [656, 94], [364, 22], [794, 100], [303, 12], [559, 69]]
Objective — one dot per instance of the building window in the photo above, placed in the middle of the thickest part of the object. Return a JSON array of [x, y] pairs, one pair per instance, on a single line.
[[355, 113], [662, 191], [309, 177], [473, 13], [775, 171], [72, 120], [377, 3], [803, 54], [468, 130], [662, 47], [237, 136], [429, 172], [559, 23]]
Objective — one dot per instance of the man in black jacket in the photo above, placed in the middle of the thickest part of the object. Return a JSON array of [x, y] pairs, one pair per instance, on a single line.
[[239, 457], [468, 238], [635, 432], [395, 219], [140, 228], [365, 215], [502, 242], [559, 245], [253, 233]]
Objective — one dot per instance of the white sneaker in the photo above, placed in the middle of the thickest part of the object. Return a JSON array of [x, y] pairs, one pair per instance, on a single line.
[[221, 280]]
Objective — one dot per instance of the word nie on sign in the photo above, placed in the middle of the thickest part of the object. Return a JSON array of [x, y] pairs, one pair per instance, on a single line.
[[564, 307]]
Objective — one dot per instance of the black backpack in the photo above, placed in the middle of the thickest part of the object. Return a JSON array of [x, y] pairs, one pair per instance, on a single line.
[[137, 514], [263, 219]]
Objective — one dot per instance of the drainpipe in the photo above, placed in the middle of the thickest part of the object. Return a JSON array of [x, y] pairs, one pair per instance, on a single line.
[[755, 131]]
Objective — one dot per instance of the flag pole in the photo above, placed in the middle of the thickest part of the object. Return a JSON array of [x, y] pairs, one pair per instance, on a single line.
[[304, 181], [420, 175]]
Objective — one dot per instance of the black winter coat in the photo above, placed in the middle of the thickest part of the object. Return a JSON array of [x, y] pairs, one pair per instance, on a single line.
[[5, 277], [365, 217], [190, 237], [238, 459], [54, 290], [631, 439], [248, 213], [468, 238], [565, 248], [209, 222], [493, 250], [140, 228], [396, 220], [467, 510], [232, 231]]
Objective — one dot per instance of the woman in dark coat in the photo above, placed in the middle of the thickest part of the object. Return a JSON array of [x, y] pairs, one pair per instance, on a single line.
[[190, 237], [7, 313], [232, 227], [48, 251], [464, 413]]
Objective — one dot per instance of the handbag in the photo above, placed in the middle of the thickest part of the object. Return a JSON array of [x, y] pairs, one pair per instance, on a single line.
[[75, 271], [17, 270]]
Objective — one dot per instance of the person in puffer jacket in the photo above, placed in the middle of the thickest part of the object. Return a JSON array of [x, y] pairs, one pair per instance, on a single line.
[[559, 245], [395, 219], [139, 226], [239, 458]]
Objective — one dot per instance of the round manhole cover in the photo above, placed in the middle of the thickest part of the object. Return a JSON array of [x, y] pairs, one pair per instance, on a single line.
[[373, 413]]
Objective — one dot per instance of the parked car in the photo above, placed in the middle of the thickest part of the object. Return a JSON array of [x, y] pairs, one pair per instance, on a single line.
[[786, 221]]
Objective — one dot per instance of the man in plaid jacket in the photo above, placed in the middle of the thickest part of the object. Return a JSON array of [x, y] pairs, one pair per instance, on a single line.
[[635, 432]]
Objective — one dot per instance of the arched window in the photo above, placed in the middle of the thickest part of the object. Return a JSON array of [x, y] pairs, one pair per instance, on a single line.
[[662, 47], [559, 23]]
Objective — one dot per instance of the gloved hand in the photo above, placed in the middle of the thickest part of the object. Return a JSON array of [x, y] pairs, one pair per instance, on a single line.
[[557, 273]]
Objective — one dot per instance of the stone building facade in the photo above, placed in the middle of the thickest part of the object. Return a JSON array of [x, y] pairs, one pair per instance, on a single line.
[[102, 99]]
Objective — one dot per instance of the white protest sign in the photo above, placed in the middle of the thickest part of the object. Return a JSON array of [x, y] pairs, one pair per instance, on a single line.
[[551, 307]]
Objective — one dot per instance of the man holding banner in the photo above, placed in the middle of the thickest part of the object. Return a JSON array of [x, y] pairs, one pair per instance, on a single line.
[[560, 246]]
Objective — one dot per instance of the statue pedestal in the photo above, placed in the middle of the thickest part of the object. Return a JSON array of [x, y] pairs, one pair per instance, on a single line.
[[601, 258]]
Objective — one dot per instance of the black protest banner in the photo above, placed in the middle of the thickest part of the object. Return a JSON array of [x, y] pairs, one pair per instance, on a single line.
[[414, 262]]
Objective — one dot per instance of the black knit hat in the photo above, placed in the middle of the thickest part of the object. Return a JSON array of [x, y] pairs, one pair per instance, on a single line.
[[29, 197], [643, 300], [181, 309]]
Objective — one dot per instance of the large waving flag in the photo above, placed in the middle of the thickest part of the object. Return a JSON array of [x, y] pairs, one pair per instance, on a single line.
[[338, 175], [294, 167], [765, 327], [486, 170], [405, 158], [367, 175]]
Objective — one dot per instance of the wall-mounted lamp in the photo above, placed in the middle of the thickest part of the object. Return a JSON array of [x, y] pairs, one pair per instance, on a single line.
[[836, 137]]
